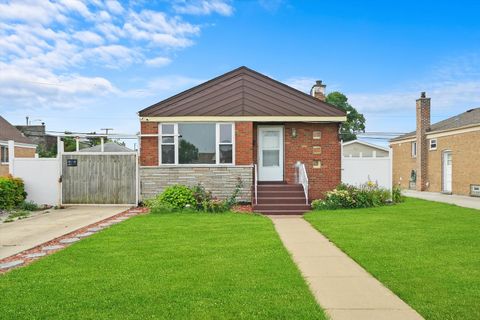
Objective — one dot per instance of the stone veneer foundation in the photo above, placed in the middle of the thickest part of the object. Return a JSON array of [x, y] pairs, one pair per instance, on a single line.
[[220, 180]]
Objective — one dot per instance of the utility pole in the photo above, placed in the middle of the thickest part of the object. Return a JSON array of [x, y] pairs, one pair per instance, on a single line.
[[106, 130]]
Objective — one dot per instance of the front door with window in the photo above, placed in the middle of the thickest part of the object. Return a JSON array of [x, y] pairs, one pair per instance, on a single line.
[[447, 172], [270, 153]]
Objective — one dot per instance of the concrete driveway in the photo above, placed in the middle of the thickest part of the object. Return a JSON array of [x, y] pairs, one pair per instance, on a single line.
[[461, 201], [24, 234]]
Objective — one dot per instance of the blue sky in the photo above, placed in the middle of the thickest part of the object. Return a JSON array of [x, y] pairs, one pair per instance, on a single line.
[[82, 66]]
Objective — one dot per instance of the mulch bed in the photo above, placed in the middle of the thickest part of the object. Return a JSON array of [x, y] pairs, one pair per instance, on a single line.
[[21, 256], [242, 208]]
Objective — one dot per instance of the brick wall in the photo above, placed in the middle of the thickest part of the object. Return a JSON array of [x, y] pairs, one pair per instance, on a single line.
[[465, 163], [149, 145], [221, 181], [328, 176], [403, 164], [301, 148], [244, 150]]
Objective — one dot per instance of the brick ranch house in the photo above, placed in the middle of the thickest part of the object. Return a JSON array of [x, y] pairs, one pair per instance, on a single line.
[[12, 137], [244, 125], [440, 157]]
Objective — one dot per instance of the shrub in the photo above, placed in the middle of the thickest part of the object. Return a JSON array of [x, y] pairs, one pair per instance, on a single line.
[[177, 197], [346, 197], [182, 198], [28, 206], [232, 200], [202, 197], [397, 196], [12, 192]]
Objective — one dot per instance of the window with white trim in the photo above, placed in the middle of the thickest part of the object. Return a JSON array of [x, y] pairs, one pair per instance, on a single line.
[[433, 144], [414, 149], [196, 143], [3, 154], [168, 138]]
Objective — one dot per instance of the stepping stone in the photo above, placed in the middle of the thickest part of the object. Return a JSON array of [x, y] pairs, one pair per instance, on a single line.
[[35, 255], [103, 225], [49, 248], [11, 264], [94, 229], [86, 234], [69, 240]]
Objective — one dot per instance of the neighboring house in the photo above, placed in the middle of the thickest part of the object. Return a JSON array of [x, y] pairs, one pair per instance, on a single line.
[[38, 135], [216, 132], [23, 146], [442, 157], [362, 149], [107, 147]]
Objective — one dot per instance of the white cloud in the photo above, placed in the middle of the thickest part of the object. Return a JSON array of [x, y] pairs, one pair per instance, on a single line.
[[301, 83], [88, 37], [158, 61], [114, 6], [31, 88], [44, 42], [203, 7]]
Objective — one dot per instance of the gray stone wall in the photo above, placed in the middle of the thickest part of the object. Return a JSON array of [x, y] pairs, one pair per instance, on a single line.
[[220, 181]]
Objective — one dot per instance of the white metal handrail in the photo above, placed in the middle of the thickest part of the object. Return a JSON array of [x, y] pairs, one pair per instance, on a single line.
[[303, 179], [255, 181]]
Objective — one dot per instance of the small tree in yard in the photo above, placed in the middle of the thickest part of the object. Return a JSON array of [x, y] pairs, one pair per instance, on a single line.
[[355, 120]]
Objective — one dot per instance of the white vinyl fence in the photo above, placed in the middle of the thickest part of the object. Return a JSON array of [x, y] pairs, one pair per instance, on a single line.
[[41, 177], [357, 171]]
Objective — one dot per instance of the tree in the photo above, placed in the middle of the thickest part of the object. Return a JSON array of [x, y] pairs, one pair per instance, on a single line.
[[355, 120]]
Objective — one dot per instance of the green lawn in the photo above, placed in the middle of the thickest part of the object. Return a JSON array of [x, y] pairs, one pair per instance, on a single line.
[[428, 253], [172, 266]]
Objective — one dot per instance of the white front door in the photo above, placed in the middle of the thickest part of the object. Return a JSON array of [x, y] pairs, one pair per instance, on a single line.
[[447, 172], [270, 153]]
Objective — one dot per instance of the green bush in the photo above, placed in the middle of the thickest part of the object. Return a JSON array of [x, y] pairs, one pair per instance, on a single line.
[[397, 196], [177, 197], [197, 198], [28, 206], [347, 197], [12, 192]]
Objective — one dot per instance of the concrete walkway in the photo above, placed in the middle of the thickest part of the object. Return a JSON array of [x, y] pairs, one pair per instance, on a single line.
[[342, 288], [27, 233], [462, 201]]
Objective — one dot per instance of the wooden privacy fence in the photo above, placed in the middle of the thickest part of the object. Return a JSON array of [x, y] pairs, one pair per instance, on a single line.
[[99, 178]]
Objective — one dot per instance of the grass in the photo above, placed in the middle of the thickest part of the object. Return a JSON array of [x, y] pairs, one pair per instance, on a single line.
[[170, 266], [428, 253], [17, 214]]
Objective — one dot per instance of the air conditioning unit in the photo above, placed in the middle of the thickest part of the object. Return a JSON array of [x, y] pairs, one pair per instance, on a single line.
[[475, 190]]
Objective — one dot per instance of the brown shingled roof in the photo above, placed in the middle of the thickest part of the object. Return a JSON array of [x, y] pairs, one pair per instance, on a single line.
[[242, 92], [9, 132], [468, 118]]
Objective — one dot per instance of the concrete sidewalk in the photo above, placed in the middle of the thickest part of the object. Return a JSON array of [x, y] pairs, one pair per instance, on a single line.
[[342, 288], [462, 201], [27, 233]]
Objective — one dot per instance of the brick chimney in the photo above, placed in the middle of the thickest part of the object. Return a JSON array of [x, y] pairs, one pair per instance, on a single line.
[[423, 126], [318, 90]]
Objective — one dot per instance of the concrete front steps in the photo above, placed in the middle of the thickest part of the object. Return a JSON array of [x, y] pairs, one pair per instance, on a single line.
[[280, 199]]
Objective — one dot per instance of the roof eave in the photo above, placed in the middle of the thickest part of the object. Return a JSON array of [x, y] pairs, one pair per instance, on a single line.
[[245, 118]]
